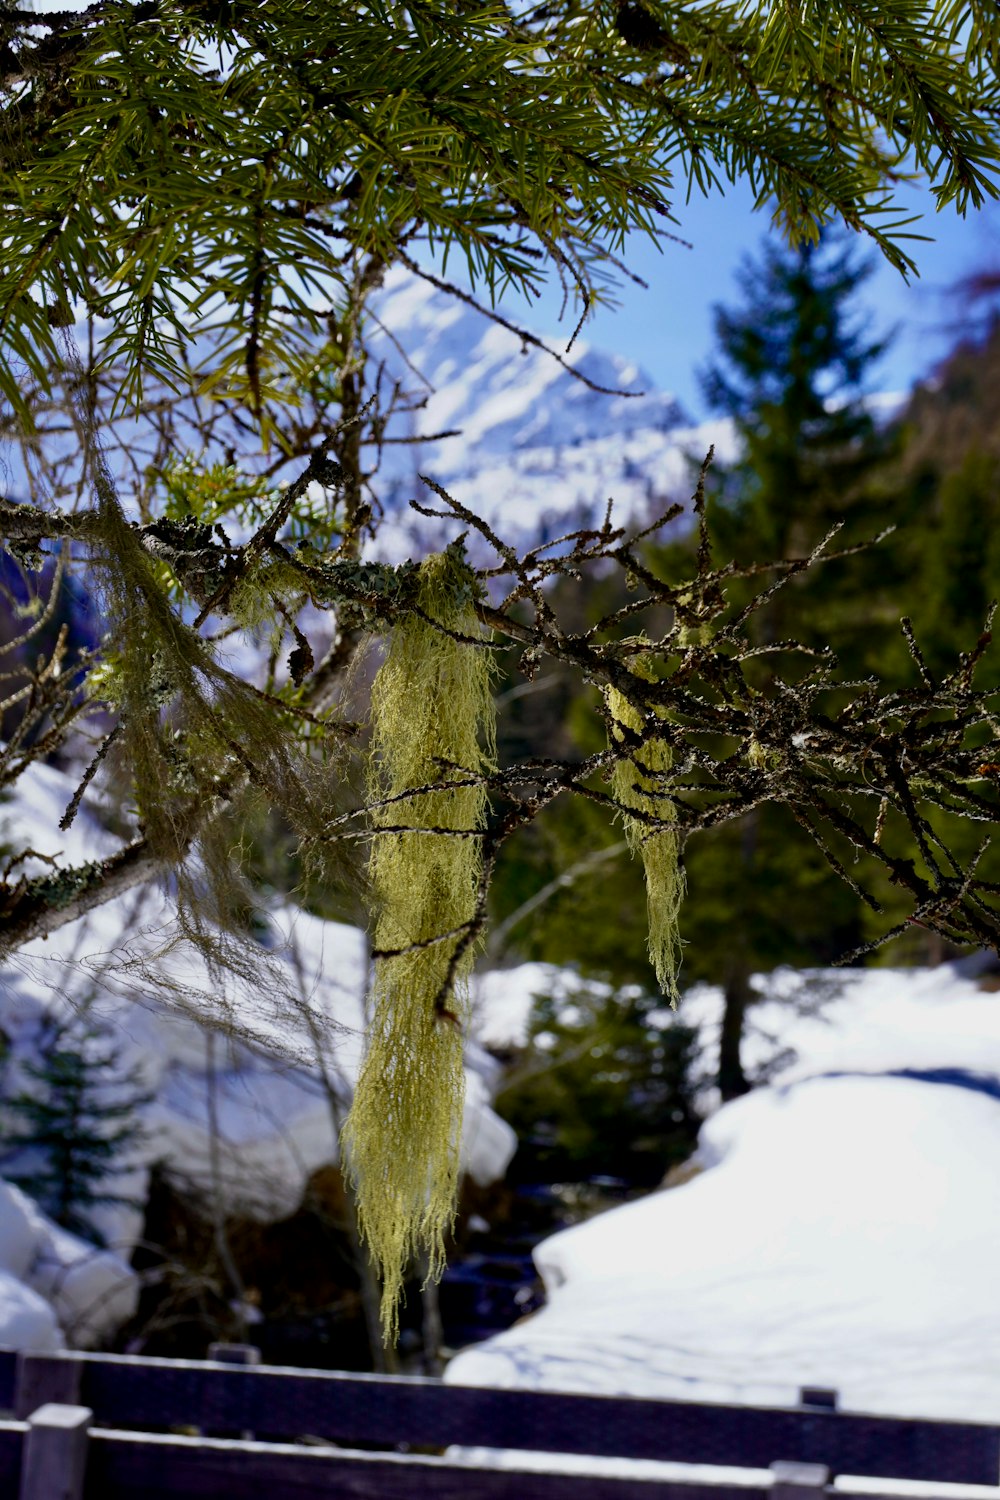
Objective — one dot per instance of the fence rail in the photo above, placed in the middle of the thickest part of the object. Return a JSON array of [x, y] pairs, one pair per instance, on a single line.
[[104, 1427]]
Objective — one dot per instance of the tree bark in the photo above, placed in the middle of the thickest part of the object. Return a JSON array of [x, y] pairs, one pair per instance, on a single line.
[[732, 1081], [42, 906]]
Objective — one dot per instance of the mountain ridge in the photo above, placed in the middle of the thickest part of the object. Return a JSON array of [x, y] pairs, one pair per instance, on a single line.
[[537, 450]]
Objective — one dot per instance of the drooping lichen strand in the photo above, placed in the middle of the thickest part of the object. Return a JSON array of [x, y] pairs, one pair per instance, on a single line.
[[433, 719], [637, 781], [197, 744]]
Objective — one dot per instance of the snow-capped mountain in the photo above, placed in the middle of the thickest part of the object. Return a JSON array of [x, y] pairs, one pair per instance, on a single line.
[[532, 448]]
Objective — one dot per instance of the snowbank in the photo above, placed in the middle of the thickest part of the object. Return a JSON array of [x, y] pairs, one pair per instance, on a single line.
[[250, 1082], [53, 1287], [26, 1319], [503, 999], [842, 1232]]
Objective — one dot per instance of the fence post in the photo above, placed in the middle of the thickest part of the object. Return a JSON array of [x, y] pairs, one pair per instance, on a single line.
[[42, 1378], [54, 1454], [819, 1396], [234, 1354], [794, 1481]]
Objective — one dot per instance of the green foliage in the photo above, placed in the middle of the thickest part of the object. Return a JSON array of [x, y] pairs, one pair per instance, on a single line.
[[947, 475], [209, 493], [793, 369], [161, 191], [958, 556], [71, 1131], [582, 897], [433, 727], [795, 364], [164, 167], [604, 1087], [200, 745], [212, 194]]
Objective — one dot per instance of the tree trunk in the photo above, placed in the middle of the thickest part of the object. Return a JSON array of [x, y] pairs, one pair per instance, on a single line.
[[732, 1081], [431, 1330]]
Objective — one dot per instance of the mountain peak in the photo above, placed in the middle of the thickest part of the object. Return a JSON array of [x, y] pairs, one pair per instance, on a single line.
[[532, 445]]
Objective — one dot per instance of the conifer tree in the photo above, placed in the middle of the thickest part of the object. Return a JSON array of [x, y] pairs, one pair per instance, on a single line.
[[794, 364], [948, 472], [946, 475], [72, 1130], [199, 201]]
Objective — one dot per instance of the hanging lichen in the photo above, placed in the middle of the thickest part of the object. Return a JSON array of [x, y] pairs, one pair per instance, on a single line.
[[638, 781], [198, 746], [433, 722]]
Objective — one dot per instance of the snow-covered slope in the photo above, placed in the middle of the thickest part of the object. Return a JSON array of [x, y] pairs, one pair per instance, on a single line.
[[536, 449], [236, 1065], [843, 1231]]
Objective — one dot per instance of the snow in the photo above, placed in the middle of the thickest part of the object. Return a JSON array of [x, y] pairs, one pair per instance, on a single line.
[[536, 451], [26, 1319], [241, 1108], [44, 7], [52, 1283], [841, 1231], [92, 1292], [503, 999]]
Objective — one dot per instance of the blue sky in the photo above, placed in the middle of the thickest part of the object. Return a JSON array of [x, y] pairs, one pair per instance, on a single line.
[[668, 329]]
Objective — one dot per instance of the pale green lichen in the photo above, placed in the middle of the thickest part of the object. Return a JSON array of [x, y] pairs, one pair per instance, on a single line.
[[196, 742], [433, 722], [761, 757], [62, 887], [637, 781]]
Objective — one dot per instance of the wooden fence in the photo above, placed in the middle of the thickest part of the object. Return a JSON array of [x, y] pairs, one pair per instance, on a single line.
[[118, 1427]]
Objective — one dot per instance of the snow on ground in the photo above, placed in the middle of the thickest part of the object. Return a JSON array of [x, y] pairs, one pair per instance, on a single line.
[[503, 999], [53, 1284], [266, 1072], [842, 1232]]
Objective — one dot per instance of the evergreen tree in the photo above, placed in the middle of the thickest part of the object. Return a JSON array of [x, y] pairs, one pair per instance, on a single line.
[[946, 475], [961, 559], [199, 201], [949, 468], [69, 1134], [794, 366], [604, 1087]]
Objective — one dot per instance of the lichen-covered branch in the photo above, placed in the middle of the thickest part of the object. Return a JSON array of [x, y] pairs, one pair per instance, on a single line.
[[36, 908]]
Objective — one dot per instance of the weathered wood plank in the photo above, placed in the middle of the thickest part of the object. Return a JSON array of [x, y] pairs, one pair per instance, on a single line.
[[12, 1436], [45, 1377], [389, 1410], [123, 1465], [8, 1378], [146, 1393], [54, 1457]]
